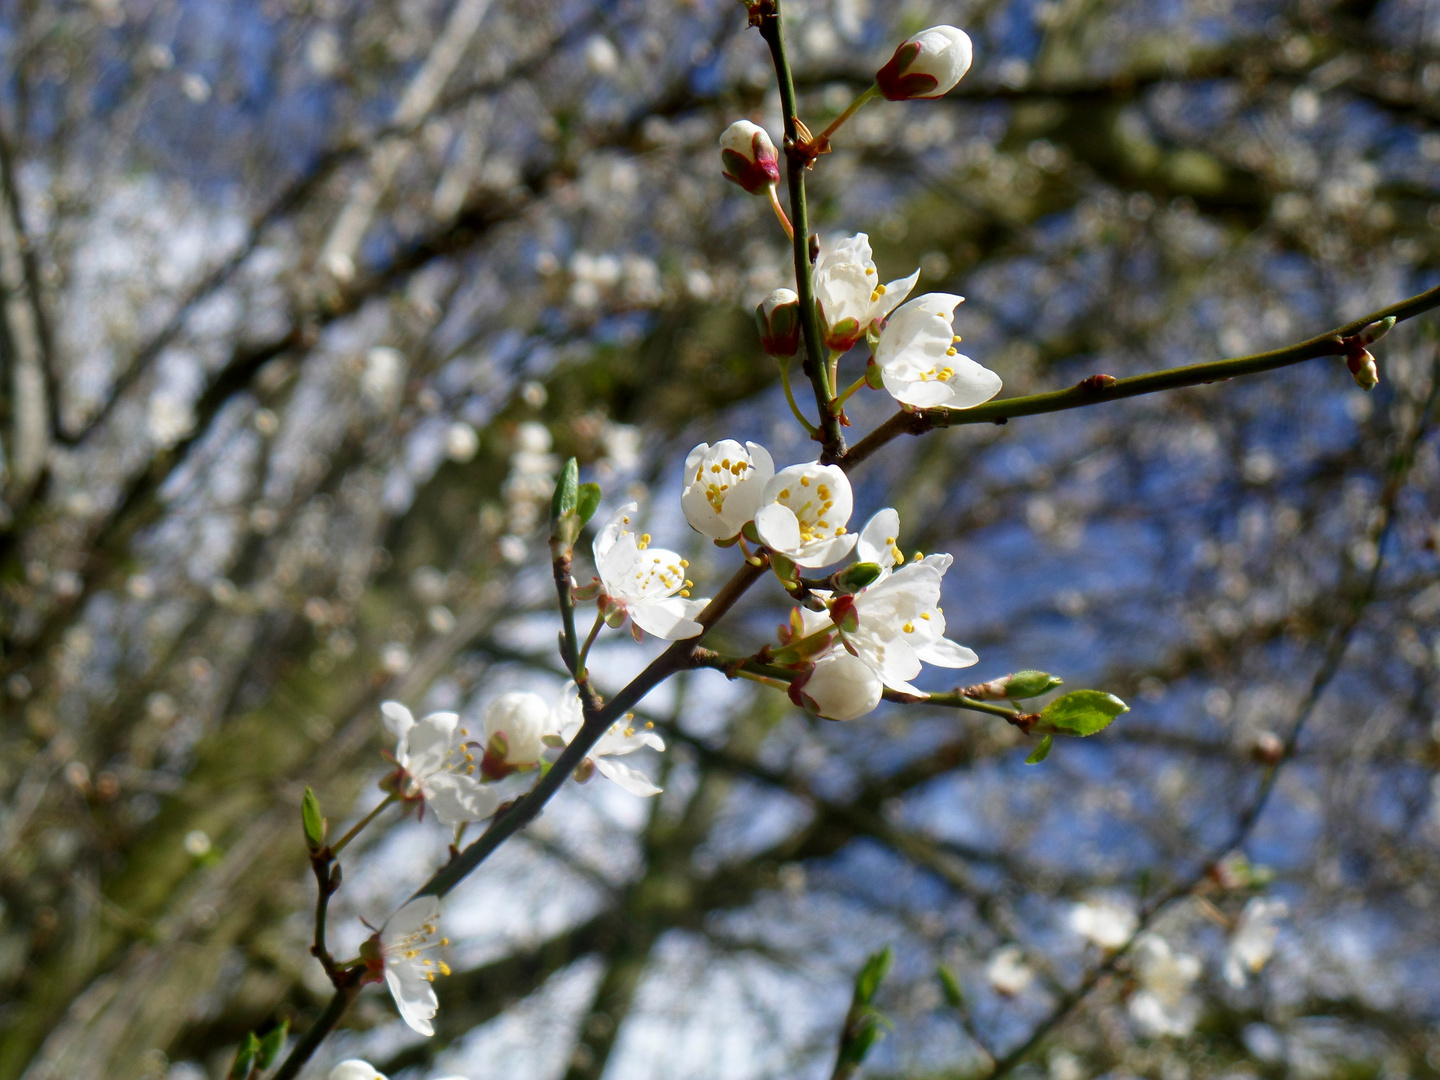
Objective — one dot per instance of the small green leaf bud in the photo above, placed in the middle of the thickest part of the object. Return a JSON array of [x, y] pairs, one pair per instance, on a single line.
[[312, 821], [1375, 331], [950, 986], [877, 966], [1028, 684], [271, 1045], [588, 501], [1362, 368], [564, 521], [855, 577], [245, 1057]]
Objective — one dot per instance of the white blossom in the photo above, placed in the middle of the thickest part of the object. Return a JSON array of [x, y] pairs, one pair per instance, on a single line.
[[927, 64], [1106, 924], [355, 1069], [848, 293], [1007, 971], [895, 624], [646, 583], [1164, 1005], [404, 940], [435, 767], [622, 738], [841, 687], [522, 720], [723, 486], [803, 513], [919, 363], [1253, 942]]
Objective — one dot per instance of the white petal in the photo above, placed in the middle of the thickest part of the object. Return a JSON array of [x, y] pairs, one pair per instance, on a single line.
[[522, 719], [873, 546], [632, 780], [410, 918], [945, 653], [606, 537], [825, 552], [972, 384], [842, 687], [397, 718], [414, 996], [455, 798], [895, 292], [430, 743], [671, 619], [355, 1069], [778, 527]]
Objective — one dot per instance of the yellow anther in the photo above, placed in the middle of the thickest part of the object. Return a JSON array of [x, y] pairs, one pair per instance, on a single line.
[[951, 351], [444, 968], [909, 628], [840, 530], [869, 271], [445, 941], [649, 725], [925, 615], [684, 562], [784, 493], [685, 593], [957, 337], [880, 289], [804, 481], [629, 732]]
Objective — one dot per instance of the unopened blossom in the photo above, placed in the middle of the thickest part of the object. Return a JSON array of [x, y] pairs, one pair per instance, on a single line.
[[403, 960], [646, 583], [435, 767], [919, 363], [848, 293], [748, 157], [926, 65], [777, 317], [1007, 971], [896, 625], [515, 727], [1106, 924], [623, 737], [355, 1069], [1164, 1005], [1253, 941], [839, 687], [723, 486], [804, 513]]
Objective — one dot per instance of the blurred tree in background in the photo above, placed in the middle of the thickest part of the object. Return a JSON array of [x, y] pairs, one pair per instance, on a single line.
[[304, 301]]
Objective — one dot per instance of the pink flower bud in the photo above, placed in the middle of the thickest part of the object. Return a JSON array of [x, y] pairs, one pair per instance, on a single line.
[[778, 320], [748, 157], [927, 65]]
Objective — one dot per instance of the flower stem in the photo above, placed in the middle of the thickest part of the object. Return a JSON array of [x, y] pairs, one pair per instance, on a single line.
[[589, 640], [839, 403], [764, 680], [850, 110], [341, 844], [790, 394], [834, 378], [780, 212]]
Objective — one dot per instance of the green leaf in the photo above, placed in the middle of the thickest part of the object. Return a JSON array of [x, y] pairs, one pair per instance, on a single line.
[[951, 986], [245, 1057], [1041, 752], [1028, 684], [856, 576], [567, 491], [312, 820], [871, 975], [272, 1044], [1083, 712], [587, 502]]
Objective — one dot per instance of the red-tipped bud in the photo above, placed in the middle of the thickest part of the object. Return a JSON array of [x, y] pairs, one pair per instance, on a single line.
[[748, 157], [778, 320], [927, 65], [1362, 366]]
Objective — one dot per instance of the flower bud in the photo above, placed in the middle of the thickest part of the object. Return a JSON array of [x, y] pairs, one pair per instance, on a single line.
[[927, 65], [839, 687], [778, 320], [1362, 366], [748, 157], [515, 724]]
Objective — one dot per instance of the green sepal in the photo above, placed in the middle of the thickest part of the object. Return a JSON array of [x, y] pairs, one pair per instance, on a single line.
[[874, 378], [785, 570], [312, 821], [1028, 684], [272, 1044], [1082, 712], [749, 533], [1041, 752], [245, 1057]]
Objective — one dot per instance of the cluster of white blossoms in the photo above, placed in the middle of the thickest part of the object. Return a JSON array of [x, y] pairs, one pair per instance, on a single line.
[[847, 648]]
